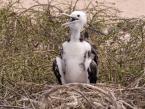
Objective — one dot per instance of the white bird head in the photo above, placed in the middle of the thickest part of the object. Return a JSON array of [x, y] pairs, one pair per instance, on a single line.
[[77, 20]]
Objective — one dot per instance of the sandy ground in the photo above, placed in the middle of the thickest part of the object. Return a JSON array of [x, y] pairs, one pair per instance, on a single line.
[[129, 8]]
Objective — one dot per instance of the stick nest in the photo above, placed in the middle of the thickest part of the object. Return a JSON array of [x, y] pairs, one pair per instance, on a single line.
[[73, 96]]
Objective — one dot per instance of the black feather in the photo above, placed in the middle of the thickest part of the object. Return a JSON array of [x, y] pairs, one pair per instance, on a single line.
[[92, 71], [56, 72]]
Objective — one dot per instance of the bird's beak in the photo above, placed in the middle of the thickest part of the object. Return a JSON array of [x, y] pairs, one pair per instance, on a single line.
[[66, 14], [69, 22]]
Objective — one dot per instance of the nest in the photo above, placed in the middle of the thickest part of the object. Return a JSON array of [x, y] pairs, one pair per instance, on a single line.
[[74, 96]]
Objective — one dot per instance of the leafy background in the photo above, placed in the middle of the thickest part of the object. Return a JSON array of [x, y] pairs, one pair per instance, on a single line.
[[30, 40]]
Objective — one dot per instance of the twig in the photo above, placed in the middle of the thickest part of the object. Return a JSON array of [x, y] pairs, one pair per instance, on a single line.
[[16, 107]]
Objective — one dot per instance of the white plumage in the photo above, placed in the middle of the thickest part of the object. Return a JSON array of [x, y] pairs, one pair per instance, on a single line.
[[74, 61], [76, 58]]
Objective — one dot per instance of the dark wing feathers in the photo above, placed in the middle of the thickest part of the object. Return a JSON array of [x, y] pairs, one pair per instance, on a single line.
[[94, 52], [93, 68], [56, 72], [55, 67], [92, 71]]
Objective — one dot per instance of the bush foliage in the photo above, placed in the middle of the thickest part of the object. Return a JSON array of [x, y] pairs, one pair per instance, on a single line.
[[30, 40]]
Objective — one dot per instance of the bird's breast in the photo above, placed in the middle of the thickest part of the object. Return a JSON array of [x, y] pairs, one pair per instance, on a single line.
[[74, 51], [73, 54]]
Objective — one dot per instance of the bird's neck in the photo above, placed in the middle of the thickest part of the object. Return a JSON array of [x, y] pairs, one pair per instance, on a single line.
[[75, 35]]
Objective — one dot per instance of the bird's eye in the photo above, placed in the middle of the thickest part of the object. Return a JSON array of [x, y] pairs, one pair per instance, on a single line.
[[78, 15]]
